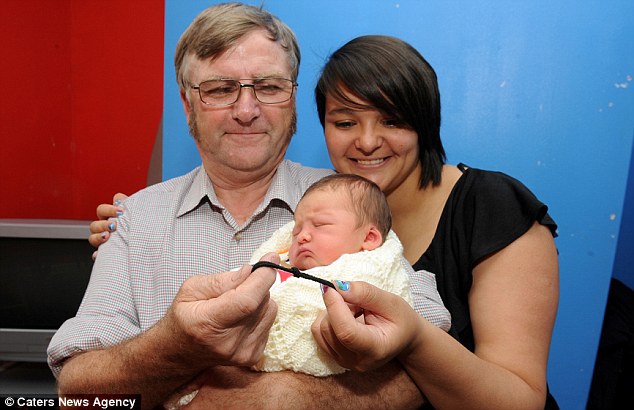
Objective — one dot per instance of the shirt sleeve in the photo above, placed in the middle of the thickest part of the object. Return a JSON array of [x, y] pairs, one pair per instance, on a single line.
[[427, 300], [107, 314]]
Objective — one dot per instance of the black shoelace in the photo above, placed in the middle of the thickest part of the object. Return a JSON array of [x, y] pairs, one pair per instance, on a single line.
[[294, 271]]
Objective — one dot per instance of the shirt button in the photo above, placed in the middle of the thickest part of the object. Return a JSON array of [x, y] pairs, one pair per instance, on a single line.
[[237, 237]]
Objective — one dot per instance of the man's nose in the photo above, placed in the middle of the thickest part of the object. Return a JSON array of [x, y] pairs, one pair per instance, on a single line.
[[247, 107]]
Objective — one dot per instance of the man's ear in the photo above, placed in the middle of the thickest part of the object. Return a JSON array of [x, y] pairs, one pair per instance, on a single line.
[[186, 105], [373, 239]]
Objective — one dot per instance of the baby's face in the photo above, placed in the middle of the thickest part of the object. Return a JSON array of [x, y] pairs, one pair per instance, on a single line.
[[325, 229]]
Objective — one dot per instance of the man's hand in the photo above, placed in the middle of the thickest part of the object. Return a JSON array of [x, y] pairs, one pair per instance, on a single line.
[[220, 319], [227, 316]]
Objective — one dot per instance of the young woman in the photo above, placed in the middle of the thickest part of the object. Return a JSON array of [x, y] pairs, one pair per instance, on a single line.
[[485, 236]]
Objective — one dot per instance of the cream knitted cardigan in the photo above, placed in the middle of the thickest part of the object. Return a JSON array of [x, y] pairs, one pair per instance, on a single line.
[[291, 345]]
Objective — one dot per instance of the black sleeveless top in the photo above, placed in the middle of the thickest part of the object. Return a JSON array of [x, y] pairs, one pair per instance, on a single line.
[[484, 213]]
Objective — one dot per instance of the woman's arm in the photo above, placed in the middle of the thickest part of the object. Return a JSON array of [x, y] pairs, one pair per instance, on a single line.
[[513, 304]]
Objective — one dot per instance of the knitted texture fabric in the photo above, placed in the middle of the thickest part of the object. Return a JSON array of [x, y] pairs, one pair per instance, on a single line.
[[291, 345]]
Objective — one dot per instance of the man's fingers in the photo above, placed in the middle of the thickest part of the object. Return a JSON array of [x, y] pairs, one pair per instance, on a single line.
[[242, 284], [251, 297], [206, 287], [254, 286]]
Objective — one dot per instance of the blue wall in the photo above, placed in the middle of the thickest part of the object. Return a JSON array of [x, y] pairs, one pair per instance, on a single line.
[[541, 91], [624, 263]]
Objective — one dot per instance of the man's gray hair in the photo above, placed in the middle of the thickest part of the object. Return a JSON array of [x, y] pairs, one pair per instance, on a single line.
[[219, 27]]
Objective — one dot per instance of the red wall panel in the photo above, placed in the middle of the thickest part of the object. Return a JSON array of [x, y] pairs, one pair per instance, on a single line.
[[35, 113], [80, 105]]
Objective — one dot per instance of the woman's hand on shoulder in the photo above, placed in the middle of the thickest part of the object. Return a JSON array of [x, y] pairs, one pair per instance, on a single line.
[[101, 228], [364, 327]]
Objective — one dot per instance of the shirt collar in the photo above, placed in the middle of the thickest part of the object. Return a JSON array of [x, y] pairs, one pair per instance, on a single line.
[[283, 187], [197, 192]]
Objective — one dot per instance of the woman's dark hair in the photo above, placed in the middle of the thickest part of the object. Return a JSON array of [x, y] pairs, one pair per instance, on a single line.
[[394, 78]]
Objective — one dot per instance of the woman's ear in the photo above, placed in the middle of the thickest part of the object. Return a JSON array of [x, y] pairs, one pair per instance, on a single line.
[[373, 239]]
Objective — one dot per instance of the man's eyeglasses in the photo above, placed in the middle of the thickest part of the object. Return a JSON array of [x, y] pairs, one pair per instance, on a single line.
[[227, 91]]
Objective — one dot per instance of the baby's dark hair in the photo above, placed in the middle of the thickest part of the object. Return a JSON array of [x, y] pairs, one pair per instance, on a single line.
[[367, 201]]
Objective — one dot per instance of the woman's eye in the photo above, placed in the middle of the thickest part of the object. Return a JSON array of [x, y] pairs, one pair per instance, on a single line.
[[344, 124], [392, 122]]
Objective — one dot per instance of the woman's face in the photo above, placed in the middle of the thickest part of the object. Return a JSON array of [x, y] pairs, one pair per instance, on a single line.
[[368, 143]]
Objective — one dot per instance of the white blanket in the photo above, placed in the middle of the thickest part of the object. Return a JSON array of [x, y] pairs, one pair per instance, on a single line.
[[291, 345]]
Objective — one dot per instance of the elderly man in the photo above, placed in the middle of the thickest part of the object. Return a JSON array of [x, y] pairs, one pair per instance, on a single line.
[[153, 318]]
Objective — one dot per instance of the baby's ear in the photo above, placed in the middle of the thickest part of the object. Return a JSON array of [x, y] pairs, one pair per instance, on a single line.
[[373, 239]]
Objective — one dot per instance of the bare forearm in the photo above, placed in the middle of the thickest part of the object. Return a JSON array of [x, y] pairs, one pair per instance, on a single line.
[[139, 366], [387, 388], [453, 377]]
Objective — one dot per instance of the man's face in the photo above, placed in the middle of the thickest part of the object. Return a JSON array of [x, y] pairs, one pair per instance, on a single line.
[[247, 136]]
